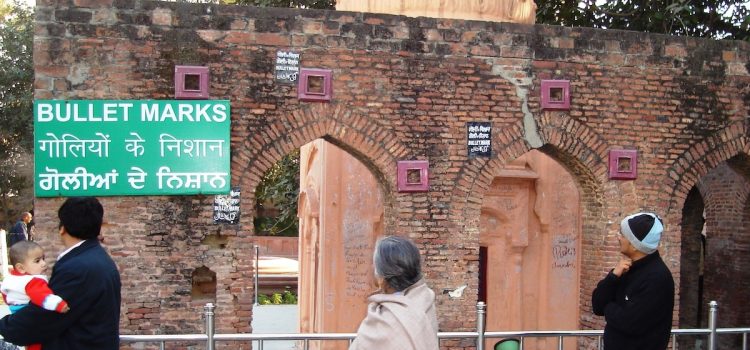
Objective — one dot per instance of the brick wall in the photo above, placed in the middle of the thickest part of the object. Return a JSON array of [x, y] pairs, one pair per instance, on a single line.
[[403, 89]]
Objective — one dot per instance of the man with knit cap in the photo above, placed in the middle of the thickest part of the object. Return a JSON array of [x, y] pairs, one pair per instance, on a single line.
[[636, 298]]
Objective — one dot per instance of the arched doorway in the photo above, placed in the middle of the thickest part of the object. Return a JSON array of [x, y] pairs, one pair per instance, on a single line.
[[341, 216], [530, 231], [692, 260], [715, 252]]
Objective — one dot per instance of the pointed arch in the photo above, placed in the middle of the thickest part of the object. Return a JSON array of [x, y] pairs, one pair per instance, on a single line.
[[579, 148], [579, 141], [696, 161], [373, 144], [713, 226], [476, 176]]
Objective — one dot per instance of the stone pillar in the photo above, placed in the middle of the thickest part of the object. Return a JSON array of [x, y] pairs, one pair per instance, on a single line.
[[337, 240], [517, 11]]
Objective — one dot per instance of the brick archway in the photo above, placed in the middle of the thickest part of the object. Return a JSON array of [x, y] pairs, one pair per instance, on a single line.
[[579, 148], [573, 144], [725, 191], [373, 145], [699, 159], [711, 199], [507, 146], [358, 135]]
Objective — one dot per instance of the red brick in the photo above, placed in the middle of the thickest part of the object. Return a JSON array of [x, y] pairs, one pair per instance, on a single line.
[[396, 104]]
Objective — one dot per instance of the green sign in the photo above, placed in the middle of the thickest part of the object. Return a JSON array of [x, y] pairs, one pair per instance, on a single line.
[[131, 147]]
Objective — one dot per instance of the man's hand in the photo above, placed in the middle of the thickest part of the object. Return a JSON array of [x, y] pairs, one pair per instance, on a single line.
[[622, 266]]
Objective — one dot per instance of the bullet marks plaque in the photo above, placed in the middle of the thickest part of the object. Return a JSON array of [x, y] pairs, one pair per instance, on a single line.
[[227, 207], [479, 139], [287, 67]]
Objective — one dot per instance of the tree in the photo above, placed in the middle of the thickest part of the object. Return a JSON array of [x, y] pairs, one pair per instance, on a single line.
[[16, 106], [727, 19], [276, 198]]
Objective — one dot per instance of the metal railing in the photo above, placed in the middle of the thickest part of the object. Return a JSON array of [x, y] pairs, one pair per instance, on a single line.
[[479, 336]]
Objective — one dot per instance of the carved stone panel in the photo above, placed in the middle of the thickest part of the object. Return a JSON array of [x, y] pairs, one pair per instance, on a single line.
[[530, 227], [336, 272]]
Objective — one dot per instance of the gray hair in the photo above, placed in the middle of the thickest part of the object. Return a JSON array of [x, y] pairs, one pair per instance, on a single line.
[[397, 260]]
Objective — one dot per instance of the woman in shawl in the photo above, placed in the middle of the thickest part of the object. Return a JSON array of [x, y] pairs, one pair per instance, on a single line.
[[401, 314]]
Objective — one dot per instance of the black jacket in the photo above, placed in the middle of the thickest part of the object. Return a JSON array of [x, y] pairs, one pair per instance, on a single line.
[[19, 232], [87, 278], [637, 306]]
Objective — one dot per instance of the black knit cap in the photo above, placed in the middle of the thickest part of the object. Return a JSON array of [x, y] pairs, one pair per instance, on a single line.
[[641, 225]]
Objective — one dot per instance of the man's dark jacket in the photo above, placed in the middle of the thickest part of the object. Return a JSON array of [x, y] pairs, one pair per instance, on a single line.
[[19, 232], [87, 278], [637, 306]]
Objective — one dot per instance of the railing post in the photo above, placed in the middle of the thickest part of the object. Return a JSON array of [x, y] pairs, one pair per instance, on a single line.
[[209, 313], [712, 311], [481, 313], [4, 248], [257, 252]]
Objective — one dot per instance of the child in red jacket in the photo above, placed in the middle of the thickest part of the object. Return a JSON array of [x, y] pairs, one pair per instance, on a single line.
[[27, 282]]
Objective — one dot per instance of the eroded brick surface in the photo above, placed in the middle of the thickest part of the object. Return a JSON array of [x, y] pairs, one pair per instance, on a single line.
[[403, 89]]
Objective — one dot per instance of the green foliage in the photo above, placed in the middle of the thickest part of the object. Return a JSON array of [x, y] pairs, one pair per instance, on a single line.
[[728, 19], [276, 298], [16, 75], [564, 13], [264, 299], [285, 298], [276, 198], [5, 8], [289, 298], [16, 99], [310, 4]]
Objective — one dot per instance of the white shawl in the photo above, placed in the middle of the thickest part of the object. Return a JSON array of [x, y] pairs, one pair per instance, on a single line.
[[400, 321]]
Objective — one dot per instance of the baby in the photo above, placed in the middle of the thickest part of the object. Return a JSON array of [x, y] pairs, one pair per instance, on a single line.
[[26, 281]]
